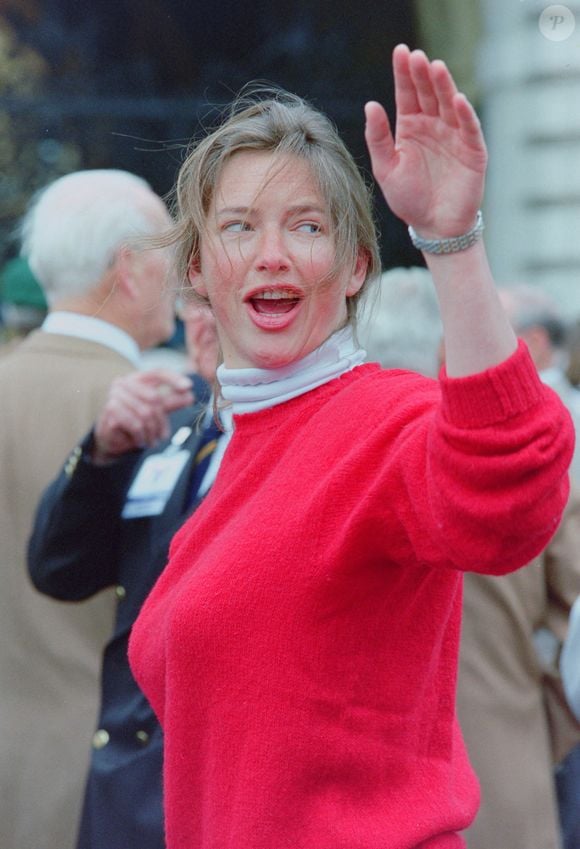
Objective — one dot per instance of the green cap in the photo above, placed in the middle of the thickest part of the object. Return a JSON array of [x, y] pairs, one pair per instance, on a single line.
[[19, 286]]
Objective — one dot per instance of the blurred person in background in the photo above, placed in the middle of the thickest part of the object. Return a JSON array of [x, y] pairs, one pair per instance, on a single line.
[[22, 303], [108, 297], [515, 728], [98, 527], [538, 319], [573, 346], [400, 325], [570, 660], [501, 698], [568, 769]]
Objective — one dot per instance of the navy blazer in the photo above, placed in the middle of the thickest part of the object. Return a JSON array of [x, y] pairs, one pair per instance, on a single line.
[[80, 545]]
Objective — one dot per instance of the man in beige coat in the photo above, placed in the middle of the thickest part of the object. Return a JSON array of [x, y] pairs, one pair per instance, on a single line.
[[513, 628], [500, 698], [109, 297]]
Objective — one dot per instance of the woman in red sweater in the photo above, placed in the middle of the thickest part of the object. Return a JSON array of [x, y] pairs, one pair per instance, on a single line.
[[300, 649]]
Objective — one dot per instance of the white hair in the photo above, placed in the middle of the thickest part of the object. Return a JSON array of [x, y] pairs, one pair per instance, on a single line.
[[400, 326], [531, 306], [75, 226]]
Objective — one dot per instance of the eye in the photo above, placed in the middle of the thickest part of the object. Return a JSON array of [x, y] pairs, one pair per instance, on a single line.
[[312, 227], [236, 227]]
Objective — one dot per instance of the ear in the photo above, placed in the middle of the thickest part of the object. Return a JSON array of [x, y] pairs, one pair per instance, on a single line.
[[195, 278], [125, 272], [359, 273]]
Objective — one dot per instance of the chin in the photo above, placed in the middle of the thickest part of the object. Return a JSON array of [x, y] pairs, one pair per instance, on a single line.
[[274, 359], [272, 362]]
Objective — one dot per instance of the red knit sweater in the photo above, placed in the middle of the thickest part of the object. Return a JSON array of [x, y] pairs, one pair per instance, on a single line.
[[300, 648]]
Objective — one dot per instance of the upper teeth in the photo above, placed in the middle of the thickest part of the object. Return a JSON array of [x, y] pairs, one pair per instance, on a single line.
[[272, 295]]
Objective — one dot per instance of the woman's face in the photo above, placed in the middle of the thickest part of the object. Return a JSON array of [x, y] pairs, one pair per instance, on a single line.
[[264, 260]]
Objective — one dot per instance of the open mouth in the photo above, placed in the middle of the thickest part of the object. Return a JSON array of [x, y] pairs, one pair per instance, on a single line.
[[274, 302]]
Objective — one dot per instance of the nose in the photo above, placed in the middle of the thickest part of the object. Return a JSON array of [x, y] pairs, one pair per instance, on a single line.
[[272, 254]]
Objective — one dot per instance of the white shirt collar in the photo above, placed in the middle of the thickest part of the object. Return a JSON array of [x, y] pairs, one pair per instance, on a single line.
[[94, 330]]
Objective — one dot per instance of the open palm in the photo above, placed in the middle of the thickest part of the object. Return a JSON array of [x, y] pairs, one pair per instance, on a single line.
[[432, 173]]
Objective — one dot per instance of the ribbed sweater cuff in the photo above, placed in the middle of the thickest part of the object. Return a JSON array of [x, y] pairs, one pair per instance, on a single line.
[[494, 395]]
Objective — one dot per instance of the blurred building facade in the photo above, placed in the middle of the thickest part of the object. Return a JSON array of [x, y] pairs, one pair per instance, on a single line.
[[529, 78]]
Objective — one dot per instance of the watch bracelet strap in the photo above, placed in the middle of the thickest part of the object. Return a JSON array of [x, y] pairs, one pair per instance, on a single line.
[[451, 245]]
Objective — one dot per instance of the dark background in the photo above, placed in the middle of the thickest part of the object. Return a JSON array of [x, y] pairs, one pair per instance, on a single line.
[[128, 83]]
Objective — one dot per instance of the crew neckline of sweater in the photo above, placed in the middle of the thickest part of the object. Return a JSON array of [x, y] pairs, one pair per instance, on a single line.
[[267, 418], [473, 401]]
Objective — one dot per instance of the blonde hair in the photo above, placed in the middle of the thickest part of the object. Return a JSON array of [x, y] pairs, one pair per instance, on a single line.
[[275, 121]]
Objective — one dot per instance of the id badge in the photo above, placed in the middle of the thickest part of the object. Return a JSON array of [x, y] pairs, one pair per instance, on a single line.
[[155, 481]]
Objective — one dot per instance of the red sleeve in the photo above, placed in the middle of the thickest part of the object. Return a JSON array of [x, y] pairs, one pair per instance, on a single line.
[[495, 483]]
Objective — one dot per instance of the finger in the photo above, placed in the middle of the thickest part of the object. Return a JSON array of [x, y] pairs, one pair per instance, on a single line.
[[165, 391], [155, 428], [144, 430], [114, 438], [162, 376], [172, 400], [172, 391], [445, 90], [469, 125], [421, 77], [379, 139], [405, 94], [128, 421], [141, 400], [145, 407], [125, 407]]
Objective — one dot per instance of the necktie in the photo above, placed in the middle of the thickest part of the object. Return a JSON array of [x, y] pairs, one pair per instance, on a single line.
[[207, 445]]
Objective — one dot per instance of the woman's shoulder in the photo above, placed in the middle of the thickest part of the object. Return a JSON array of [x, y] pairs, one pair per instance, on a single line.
[[373, 385], [370, 395]]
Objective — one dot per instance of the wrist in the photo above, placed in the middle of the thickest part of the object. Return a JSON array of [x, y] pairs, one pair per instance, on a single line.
[[430, 244]]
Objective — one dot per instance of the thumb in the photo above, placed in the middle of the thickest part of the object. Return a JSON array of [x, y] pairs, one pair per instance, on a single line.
[[379, 139]]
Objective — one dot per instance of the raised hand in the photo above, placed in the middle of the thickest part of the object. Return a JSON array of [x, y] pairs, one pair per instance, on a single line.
[[432, 172], [135, 413]]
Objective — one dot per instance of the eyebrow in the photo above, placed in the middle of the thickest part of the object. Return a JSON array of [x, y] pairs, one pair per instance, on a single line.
[[233, 210], [247, 210]]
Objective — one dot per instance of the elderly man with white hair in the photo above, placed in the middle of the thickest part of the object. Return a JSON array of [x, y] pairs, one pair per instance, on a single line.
[[85, 237]]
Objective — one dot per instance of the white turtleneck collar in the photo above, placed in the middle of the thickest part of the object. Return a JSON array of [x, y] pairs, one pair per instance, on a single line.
[[253, 389]]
